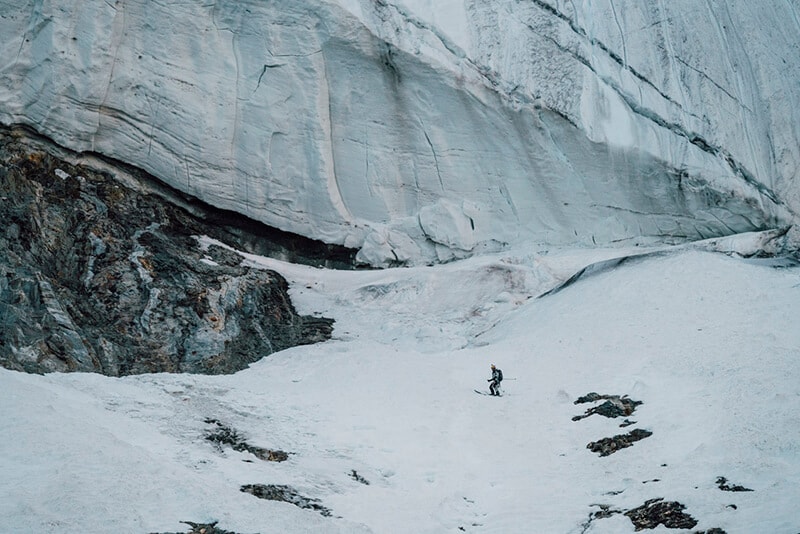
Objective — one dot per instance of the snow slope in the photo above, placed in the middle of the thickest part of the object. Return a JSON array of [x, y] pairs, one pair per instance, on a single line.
[[708, 342]]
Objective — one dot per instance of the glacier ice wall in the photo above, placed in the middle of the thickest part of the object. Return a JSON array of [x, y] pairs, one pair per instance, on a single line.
[[421, 130]]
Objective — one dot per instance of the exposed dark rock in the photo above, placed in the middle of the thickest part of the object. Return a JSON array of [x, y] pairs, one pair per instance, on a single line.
[[656, 512], [608, 446], [615, 406], [358, 478], [650, 515], [224, 435], [273, 492], [722, 482], [590, 397], [604, 511], [201, 528], [96, 276]]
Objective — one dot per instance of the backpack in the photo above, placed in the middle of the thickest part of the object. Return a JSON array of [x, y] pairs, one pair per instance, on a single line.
[[499, 376]]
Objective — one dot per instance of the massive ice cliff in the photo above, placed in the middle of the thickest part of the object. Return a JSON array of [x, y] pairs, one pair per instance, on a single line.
[[421, 130]]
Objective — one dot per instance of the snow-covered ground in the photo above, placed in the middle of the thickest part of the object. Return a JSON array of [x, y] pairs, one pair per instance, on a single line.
[[708, 342]]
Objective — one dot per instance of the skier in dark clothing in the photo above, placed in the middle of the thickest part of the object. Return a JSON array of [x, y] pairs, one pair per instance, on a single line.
[[497, 377]]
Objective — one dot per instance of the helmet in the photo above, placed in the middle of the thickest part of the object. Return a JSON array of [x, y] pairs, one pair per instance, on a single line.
[[493, 366]]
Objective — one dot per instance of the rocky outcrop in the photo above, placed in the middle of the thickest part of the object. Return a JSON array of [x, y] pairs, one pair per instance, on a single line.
[[274, 492], [96, 276], [657, 512], [223, 436], [202, 528], [422, 131]]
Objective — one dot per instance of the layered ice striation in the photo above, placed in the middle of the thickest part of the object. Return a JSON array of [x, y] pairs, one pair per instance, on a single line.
[[422, 131]]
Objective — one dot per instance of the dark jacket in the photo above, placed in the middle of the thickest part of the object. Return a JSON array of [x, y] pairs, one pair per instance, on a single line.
[[497, 375]]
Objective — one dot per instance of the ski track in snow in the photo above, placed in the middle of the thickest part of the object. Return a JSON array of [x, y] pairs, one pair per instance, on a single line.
[[707, 342]]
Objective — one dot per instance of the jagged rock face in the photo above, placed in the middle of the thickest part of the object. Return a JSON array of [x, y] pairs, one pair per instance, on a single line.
[[423, 131], [97, 277]]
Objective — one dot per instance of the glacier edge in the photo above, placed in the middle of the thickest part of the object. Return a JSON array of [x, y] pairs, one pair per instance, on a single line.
[[382, 126]]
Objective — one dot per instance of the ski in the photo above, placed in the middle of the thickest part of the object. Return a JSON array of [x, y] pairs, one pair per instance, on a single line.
[[484, 393]]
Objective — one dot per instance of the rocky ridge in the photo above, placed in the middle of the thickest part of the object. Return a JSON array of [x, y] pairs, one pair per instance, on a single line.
[[101, 277]]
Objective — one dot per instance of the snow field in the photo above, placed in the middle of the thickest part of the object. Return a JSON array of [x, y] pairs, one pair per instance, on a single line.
[[707, 342]]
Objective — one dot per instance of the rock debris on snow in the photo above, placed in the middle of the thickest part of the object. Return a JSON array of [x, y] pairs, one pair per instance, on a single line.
[[608, 446], [282, 493], [222, 434], [722, 483], [657, 512], [201, 528], [615, 406]]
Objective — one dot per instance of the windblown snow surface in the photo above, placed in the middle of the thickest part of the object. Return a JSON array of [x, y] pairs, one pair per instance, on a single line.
[[707, 341]]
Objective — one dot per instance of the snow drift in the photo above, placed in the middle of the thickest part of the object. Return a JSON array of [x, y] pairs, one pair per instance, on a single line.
[[423, 131]]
